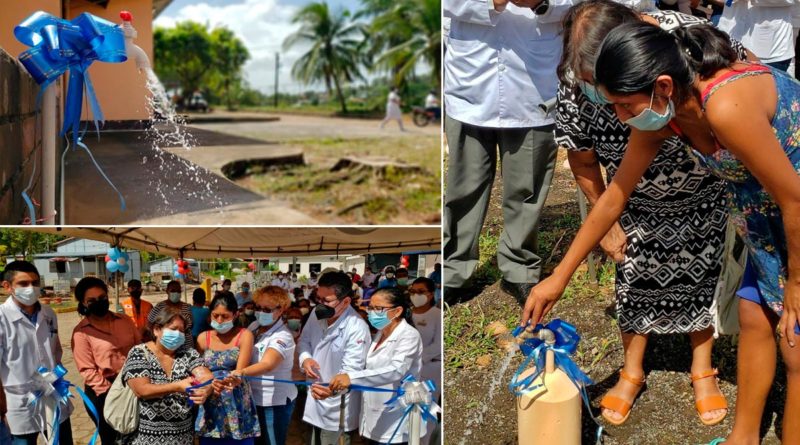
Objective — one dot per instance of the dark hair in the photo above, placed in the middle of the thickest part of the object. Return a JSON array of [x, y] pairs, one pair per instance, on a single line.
[[88, 283], [301, 300], [172, 283], [585, 26], [397, 298], [341, 284], [199, 296], [163, 318], [134, 283], [633, 56], [225, 300], [226, 281], [429, 284], [18, 266], [401, 270]]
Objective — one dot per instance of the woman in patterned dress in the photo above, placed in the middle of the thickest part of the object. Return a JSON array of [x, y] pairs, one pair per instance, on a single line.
[[229, 416], [743, 120], [669, 239], [159, 372]]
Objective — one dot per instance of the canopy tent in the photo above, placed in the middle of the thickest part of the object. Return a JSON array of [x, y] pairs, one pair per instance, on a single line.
[[251, 242]]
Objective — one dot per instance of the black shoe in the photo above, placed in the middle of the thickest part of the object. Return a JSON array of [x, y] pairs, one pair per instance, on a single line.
[[519, 291], [455, 295]]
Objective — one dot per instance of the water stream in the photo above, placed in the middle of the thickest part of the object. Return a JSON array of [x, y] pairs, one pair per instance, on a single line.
[[168, 129]]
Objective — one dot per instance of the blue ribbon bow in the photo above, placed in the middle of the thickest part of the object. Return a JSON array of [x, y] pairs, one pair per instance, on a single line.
[[535, 350], [58, 46], [51, 385]]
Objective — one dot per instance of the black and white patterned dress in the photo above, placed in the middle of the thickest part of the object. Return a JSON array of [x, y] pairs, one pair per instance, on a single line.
[[165, 420], [674, 221]]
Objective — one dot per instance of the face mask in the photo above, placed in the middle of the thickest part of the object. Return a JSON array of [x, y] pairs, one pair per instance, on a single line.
[[280, 277], [136, 293], [28, 296], [222, 328], [171, 340], [305, 310], [389, 275], [226, 287], [402, 281], [324, 311], [294, 278], [264, 318], [98, 308], [378, 320], [175, 297], [649, 120], [245, 289], [593, 94], [419, 299], [248, 312], [294, 324]]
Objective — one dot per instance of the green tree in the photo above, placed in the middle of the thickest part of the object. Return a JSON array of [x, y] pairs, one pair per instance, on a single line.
[[26, 243], [336, 48], [230, 55]]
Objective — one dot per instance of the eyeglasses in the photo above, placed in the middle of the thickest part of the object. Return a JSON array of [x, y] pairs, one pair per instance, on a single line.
[[380, 309], [266, 309]]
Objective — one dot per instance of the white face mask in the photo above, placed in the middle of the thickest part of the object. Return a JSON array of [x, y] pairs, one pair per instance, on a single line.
[[419, 299], [28, 296], [174, 297]]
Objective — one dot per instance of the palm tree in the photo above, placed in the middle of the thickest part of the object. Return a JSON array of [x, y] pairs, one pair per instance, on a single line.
[[405, 33], [336, 47]]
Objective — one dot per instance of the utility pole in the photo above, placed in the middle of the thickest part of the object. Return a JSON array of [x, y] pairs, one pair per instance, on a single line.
[[277, 67]]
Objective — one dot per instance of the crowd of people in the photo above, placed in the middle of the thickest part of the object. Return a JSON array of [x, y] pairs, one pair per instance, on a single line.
[[232, 370], [691, 110]]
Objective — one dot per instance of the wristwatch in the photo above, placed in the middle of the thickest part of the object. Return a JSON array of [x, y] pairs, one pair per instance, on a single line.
[[542, 8]]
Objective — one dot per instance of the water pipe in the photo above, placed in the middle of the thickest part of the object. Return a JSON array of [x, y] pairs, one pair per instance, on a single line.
[[549, 338], [49, 155], [133, 50]]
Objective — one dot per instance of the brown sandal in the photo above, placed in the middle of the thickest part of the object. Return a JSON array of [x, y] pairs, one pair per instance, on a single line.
[[710, 403], [618, 404]]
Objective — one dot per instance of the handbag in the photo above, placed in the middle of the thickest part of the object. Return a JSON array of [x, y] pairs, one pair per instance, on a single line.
[[725, 307], [121, 410]]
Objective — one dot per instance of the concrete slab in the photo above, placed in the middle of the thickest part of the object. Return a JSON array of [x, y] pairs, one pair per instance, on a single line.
[[228, 160], [160, 187]]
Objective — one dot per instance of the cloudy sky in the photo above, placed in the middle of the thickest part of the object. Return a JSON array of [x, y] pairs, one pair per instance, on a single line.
[[261, 24]]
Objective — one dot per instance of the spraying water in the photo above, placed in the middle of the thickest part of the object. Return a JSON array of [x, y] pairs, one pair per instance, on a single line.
[[477, 417], [168, 129]]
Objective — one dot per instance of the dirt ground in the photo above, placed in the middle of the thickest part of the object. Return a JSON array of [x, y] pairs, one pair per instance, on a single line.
[[664, 414]]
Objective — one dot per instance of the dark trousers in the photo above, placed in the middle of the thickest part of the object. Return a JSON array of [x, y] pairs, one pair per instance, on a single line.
[[375, 442], [108, 435], [64, 436]]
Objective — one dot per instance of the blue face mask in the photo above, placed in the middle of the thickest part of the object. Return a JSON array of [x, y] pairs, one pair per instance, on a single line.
[[378, 320], [172, 340], [222, 328], [649, 120], [264, 318], [593, 94], [293, 323]]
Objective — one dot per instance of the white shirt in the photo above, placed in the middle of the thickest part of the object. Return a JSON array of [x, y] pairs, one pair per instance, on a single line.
[[339, 348], [279, 338], [766, 31], [429, 325], [431, 100], [24, 347], [368, 278], [393, 105], [399, 355], [500, 66], [281, 283]]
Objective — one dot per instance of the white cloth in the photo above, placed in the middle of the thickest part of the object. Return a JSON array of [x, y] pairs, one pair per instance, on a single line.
[[399, 355], [500, 66], [279, 338], [242, 298], [393, 106], [339, 348], [281, 283], [368, 278], [429, 326], [24, 347], [431, 100], [766, 31]]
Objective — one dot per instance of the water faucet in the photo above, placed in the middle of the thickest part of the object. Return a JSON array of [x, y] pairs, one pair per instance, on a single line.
[[133, 51]]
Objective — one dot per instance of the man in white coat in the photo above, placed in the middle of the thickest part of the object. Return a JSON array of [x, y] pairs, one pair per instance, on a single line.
[[28, 340], [500, 65], [335, 340]]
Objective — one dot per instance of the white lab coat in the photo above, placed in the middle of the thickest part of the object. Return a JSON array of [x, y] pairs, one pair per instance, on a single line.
[[429, 326], [281, 339], [281, 283], [764, 30], [24, 347], [399, 355], [500, 66], [339, 349]]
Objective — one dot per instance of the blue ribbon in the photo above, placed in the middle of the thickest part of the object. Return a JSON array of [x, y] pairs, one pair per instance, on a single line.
[[428, 409], [535, 351], [53, 385], [58, 46]]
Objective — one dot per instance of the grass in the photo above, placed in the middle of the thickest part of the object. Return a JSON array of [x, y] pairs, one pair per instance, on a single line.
[[358, 197]]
